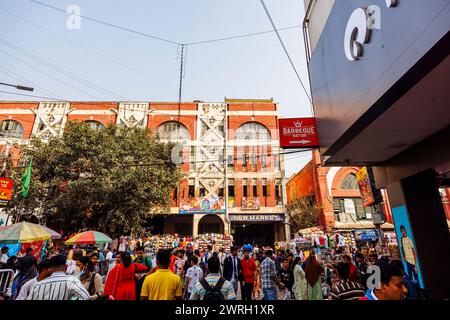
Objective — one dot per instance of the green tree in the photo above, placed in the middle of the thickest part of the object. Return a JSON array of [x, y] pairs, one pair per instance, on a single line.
[[110, 180], [303, 212]]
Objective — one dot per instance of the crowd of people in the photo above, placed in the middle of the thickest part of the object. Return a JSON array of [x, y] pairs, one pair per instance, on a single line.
[[246, 273]]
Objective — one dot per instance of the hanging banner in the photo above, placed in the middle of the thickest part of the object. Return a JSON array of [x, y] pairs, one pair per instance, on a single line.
[[298, 133], [6, 189], [369, 193], [202, 205], [364, 187]]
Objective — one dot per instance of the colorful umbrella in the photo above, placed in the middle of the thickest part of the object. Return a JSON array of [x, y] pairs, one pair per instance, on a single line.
[[26, 232], [89, 237]]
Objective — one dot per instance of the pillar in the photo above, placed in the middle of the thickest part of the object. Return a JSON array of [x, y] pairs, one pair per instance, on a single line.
[[416, 201], [195, 221]]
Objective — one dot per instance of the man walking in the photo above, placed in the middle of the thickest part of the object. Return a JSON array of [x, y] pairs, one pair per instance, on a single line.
[[232, 270], [44, 269], [59, 286], [268, 277], [213, 287], [163, 284], [248, 267], [193, 275], [345, 289]]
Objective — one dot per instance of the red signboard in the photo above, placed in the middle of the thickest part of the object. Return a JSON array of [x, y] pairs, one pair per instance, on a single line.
[[6, 189], [298, 133]]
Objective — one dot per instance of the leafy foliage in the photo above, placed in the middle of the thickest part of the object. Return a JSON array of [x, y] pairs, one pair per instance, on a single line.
[[303, 212], [109, 180]]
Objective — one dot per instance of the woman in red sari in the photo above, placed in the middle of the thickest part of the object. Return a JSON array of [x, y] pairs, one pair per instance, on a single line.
[[120, 283]]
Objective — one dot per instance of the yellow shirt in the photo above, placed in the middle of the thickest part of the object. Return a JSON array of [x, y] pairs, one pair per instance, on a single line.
[[163, 284]]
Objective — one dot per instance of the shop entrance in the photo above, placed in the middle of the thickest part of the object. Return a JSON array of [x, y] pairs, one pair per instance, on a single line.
[[155, 225], [261, 234], [210, 224]]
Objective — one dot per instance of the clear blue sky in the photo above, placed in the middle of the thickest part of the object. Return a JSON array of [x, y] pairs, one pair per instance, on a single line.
[[142, 69]]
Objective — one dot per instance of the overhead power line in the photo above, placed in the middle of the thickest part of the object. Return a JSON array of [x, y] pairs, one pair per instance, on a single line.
[[109, 24], [27, 95], [112, 25], [88, 49], [241, 36], [49, 75], [285, 50], [61, 70], [21, 79]]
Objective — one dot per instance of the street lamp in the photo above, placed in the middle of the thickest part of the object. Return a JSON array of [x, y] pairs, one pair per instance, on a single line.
[[18, 87]]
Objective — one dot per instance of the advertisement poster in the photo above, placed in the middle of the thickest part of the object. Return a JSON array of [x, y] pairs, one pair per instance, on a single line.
[[365, 187], [250, 203], [202, 205], [298, 133], [231, 203], [406, 244], [6, 189]]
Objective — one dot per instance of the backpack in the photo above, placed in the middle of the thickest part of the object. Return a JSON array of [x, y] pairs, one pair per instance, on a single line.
[[213, 293]]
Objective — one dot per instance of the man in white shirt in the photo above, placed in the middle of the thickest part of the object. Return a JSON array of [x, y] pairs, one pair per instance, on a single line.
[[44, 272], [193, 275], [59, 286], [109, 255]]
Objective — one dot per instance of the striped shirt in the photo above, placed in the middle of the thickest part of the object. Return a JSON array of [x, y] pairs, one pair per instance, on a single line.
[[59, 286], [199, 291], [347, 290], [268, 272]]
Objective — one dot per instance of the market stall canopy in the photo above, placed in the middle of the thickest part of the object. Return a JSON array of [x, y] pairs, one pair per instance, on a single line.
[[25, 232], [89, 237], [360, 225]]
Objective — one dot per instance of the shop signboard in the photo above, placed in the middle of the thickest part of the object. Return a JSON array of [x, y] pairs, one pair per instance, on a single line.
[[298, 133], [250, 203], [6, 189], [366, 235], [202, 205], [256, 217]]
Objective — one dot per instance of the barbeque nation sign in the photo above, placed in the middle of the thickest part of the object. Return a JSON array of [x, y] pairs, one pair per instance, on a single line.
[[298, 133]]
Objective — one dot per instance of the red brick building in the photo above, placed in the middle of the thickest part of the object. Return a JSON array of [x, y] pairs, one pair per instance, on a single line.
[[231, 158], [336, 193]]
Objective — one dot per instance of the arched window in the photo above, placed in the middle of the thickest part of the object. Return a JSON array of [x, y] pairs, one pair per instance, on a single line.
[[253, 131], [173, 131], [95, 125], [349, 182], [11, 129]]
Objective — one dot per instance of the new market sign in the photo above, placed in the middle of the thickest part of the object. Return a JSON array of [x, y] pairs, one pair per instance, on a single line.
[[298, 133], [256, 217]]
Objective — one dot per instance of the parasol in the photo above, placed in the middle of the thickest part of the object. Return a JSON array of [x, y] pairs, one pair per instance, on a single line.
[[89, 237], [24, 232]]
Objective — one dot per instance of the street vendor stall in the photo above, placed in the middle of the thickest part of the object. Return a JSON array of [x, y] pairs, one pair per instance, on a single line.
[[20, 236]]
